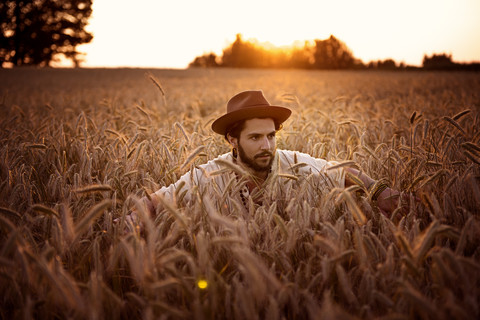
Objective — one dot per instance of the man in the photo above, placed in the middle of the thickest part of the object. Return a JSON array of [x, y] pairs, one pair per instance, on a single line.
[[255, 173]]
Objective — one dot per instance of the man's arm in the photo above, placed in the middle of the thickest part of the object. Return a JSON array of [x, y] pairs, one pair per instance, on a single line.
[[150, 203], [153, 201], [387, 200]]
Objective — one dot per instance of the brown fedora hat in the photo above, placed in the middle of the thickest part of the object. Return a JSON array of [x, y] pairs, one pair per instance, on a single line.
[[248, 105]]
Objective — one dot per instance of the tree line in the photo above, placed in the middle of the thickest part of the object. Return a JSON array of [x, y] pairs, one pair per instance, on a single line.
[[328, 54], [36, 32]]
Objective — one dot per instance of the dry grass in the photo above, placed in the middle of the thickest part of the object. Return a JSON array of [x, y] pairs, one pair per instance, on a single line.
[[80, 147]]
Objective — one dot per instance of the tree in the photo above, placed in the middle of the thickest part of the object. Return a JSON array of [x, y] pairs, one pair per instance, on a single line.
[[387, 64], [302, 58], [251, 54], [321, 54], [242, 54], [333, 54], [205, 61], [438, 62], [35, 32]]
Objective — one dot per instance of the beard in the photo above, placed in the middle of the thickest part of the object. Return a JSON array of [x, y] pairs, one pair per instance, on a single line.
[[252, 163]]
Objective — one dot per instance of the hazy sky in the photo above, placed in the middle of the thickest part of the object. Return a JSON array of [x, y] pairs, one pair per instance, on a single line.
[[149, 33]]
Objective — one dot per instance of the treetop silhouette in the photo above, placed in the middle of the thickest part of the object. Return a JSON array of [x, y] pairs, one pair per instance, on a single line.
[[321, 54], [327, 54]]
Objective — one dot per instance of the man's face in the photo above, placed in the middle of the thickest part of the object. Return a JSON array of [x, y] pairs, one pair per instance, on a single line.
[[257, 144]]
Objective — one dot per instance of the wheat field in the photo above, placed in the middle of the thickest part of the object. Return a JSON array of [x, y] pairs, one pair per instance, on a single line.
[[80, 147]]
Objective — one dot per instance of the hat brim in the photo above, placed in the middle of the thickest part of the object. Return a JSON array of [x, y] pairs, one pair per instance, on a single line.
[[277, 113]]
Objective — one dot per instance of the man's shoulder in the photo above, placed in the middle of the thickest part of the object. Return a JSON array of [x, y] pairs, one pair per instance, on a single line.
[[201, 172], [289, 158], [303, 164], [214, 164], [295, 155]]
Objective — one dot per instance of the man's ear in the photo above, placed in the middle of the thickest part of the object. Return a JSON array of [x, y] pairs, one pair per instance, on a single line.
[[232, 140]]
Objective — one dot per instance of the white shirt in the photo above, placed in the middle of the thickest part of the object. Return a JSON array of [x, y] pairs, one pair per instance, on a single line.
[[295, 177]]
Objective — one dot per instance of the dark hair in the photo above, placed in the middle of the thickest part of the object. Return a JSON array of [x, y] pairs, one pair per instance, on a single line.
[[235, 129]]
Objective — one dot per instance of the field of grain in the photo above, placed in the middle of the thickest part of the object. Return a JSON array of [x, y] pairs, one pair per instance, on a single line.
[[80, 147]]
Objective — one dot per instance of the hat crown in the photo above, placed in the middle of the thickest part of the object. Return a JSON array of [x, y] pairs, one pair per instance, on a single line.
[[247, 99]]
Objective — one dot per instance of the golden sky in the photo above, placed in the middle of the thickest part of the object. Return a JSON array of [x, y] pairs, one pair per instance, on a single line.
[[170, 34]]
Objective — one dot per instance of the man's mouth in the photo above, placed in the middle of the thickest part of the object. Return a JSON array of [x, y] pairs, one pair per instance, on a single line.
[[263, 155]]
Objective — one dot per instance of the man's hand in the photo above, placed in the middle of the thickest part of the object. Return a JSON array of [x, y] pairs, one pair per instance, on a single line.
[[388, 201], [133, 221]]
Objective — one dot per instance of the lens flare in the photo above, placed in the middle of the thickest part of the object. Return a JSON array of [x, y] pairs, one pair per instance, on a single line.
[[202, 284]]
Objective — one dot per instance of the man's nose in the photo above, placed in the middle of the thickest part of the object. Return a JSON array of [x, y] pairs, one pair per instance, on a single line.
[[266, 144]]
